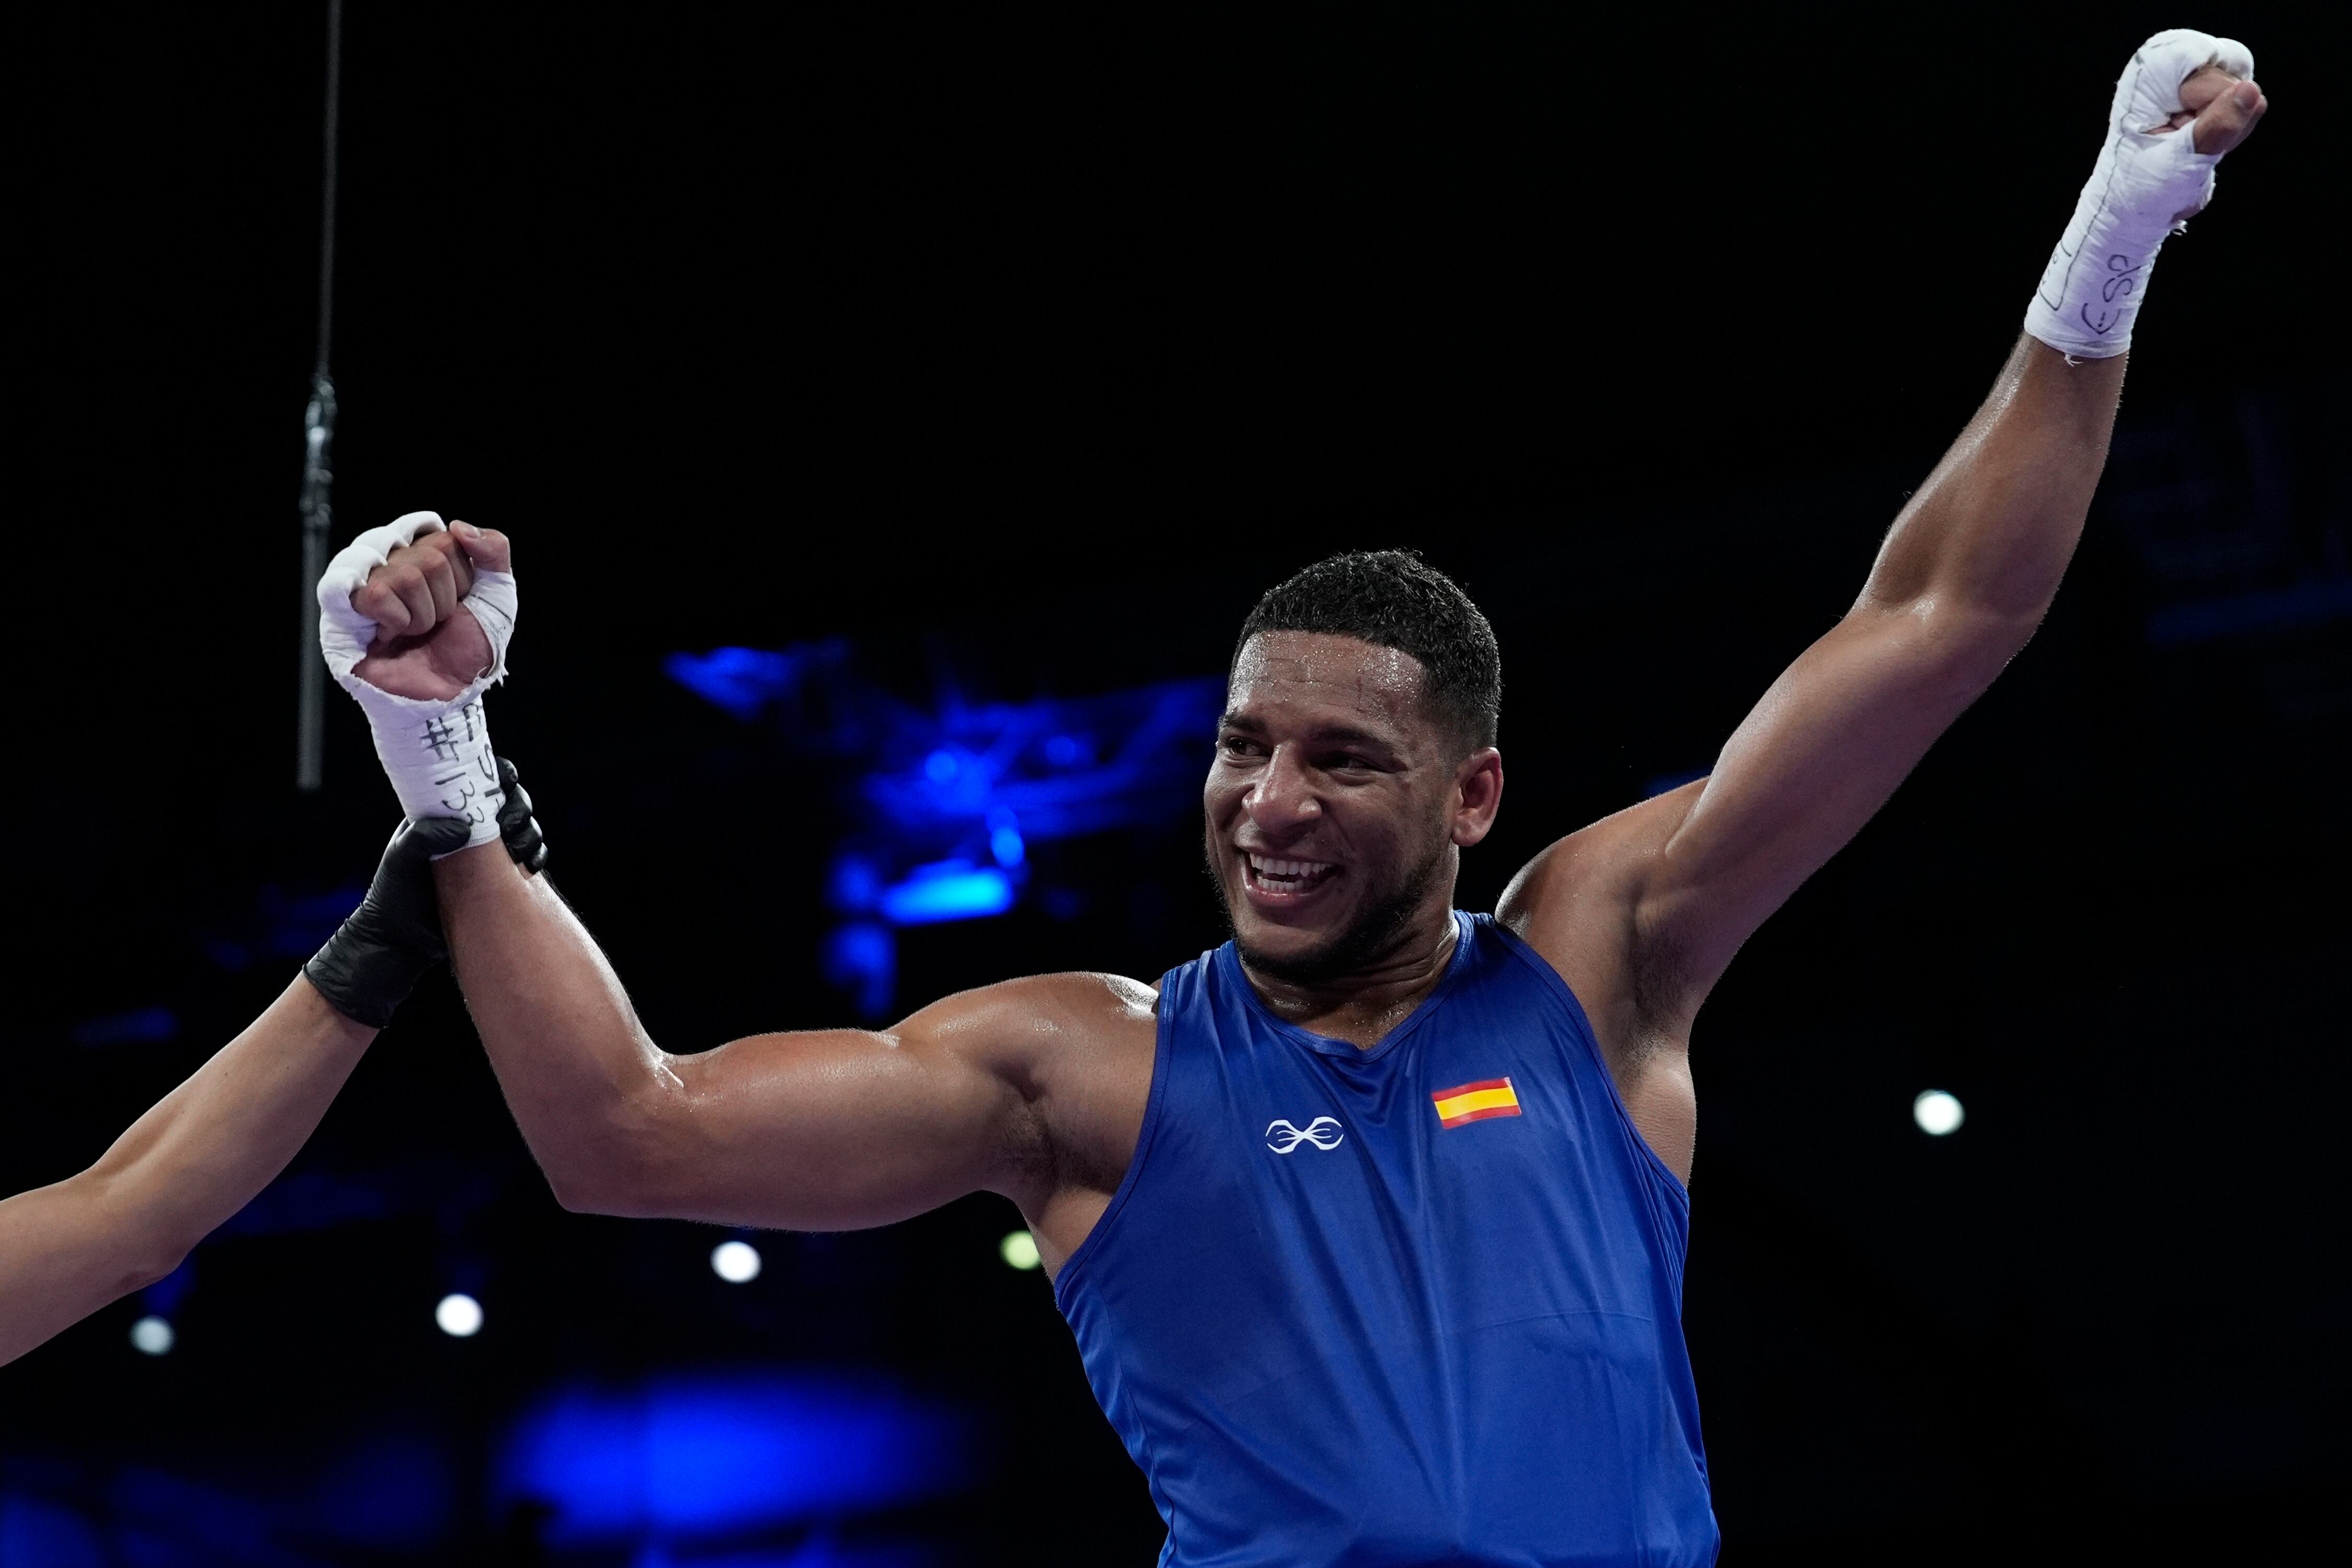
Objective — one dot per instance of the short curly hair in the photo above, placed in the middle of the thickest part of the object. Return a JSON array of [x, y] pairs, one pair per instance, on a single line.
[[1394, 598]]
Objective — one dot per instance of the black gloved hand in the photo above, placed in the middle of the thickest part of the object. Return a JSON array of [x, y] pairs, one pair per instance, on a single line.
[[370, 964], [517, 826]]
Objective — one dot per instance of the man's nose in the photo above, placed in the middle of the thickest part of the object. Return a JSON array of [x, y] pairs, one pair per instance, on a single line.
[[1283, 796]]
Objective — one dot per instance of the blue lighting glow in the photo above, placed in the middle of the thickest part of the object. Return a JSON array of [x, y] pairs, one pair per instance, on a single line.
[[712, 1454], [947, 890], [142, 1025], [393, 1491], [954, 802], [740, 680], [164, 1296], [862, 959], [284, 926]]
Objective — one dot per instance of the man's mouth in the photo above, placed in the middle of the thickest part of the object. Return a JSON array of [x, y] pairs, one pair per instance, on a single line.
[[1278, 876]]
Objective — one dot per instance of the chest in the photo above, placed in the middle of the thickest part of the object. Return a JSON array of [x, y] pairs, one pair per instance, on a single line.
[[1462, 1129]]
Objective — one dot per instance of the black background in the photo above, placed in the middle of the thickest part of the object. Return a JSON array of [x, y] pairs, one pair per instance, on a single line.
[[1031, 345]]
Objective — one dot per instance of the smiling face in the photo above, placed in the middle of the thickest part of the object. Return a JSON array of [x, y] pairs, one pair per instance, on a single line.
[[1338, 803]]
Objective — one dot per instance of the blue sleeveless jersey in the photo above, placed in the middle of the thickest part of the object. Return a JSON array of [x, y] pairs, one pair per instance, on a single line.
[[1416, 1304]]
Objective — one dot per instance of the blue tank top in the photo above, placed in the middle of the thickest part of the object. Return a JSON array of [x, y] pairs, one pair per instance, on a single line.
[[1415, 1304]]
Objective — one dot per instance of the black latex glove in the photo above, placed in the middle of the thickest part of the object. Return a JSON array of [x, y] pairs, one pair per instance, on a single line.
[[517, 826], [370, 965]]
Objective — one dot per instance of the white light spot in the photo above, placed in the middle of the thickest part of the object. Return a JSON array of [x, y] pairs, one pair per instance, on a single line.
[[737, 1262], [1019, 1250], [460, 1315], [1937, 1113], [153, 1335]]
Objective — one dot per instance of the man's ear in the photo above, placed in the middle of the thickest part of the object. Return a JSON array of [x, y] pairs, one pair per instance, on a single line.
[[1477, 795]]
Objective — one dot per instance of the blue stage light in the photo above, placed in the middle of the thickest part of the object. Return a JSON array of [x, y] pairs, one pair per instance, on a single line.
[[854, 885], [861, 957], [39, 1529], [1004, 840], [947, 890], [740, 680], [716, 1454], [954, 800]]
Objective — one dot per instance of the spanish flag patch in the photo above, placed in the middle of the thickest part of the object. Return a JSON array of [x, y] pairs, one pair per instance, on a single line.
[[1467, 1103]]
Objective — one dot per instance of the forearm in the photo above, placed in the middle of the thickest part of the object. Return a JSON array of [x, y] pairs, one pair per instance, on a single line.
[[194, 1160], [578, 1070], [1981, 546]]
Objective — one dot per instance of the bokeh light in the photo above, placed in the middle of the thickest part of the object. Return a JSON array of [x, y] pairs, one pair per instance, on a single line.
[[1937, 1112], [460, 1315], [737, 1262]]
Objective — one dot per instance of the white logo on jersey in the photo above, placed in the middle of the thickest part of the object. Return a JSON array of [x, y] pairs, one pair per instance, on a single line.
[[1324, 1132]]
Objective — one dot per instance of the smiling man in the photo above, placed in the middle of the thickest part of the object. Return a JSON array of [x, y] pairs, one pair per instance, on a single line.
[[1370, 1223]]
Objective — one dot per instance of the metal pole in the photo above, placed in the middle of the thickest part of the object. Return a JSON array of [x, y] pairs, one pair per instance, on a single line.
[[318, 438]]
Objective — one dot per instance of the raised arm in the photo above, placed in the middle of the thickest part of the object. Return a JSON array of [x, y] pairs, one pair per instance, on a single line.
[[828, 1129], [1643, 911], [999, 1089], [206, 1148], [1960, 583], [195, 1158]]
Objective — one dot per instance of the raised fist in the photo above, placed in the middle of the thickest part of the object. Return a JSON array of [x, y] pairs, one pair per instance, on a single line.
[[427, 643], [2221, 106]]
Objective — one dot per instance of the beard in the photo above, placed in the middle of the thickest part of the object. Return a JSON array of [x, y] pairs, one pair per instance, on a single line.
[[1372, 933]]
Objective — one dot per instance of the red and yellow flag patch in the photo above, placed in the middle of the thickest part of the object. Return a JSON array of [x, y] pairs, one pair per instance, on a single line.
[[1467, 1103]]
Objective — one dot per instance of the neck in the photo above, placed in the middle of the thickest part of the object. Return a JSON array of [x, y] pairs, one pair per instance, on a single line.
[[1362, 1006]]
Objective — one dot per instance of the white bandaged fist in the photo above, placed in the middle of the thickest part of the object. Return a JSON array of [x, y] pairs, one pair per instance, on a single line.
[[2150, 180], [434, 748]]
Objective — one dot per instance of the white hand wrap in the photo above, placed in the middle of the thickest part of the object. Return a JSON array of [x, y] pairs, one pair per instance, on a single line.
[[2143, 188], [436, 754]]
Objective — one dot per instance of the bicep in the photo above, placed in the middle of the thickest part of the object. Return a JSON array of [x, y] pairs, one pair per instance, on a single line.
[[834, 1129], [1809, 766]]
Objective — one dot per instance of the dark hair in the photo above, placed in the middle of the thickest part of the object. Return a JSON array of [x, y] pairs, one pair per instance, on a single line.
[[1396, 600]]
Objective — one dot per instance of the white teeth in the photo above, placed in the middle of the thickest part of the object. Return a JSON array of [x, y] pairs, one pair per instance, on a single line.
[[1284, 875]]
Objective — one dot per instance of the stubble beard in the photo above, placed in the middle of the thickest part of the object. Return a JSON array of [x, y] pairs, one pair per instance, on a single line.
[[1372, 933]]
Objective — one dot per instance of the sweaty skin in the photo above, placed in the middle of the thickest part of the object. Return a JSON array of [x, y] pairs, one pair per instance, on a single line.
[[183, 1170], [1334, 792]]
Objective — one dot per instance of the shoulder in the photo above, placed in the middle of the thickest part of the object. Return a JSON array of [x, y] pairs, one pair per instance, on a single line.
[[1075, 1053], [1020, 1027], [1581, 904], [1592, 881]]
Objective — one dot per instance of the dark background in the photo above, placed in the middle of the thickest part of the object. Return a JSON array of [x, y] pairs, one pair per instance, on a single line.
[[1022, 349]]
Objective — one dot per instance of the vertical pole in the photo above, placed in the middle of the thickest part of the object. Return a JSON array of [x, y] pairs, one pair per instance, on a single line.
[[318, 438]]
